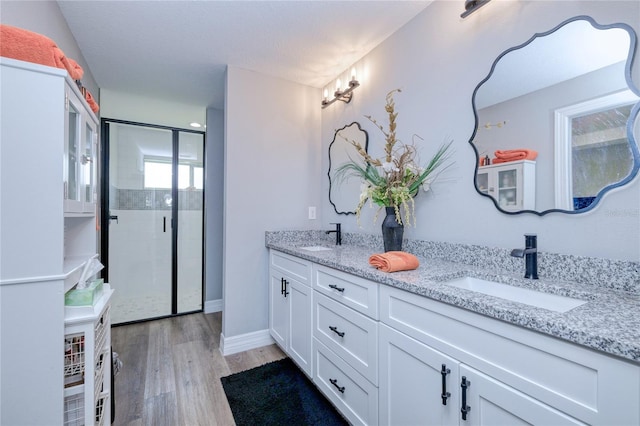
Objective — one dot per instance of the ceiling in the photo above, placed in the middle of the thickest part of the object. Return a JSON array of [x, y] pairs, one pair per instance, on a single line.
[[179, 50]]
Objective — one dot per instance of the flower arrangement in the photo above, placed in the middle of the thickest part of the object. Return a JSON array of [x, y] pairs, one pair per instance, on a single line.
[[393, 181]]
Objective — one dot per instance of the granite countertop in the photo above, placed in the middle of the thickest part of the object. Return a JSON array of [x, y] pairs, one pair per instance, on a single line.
[[608, 322]]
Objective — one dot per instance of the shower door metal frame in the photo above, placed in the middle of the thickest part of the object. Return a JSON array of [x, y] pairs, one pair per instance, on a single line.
[[105, 216]]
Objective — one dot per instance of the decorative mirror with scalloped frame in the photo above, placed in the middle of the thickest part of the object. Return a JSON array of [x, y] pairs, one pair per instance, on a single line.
[[565, 103], [345, 194]]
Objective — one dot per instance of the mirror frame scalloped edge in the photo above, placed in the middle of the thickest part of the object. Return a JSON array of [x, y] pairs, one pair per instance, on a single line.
[[630, 122], [366, 148]]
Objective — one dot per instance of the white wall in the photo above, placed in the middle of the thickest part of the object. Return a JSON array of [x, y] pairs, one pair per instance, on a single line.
[[438, 59], [214, 197], [272, 175]]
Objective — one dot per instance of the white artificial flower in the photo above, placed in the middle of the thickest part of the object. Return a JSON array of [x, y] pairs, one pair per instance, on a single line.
[[426, 185], [388, 167], [364, 191]]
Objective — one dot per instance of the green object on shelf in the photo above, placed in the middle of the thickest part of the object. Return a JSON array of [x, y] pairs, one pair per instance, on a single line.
[[85, 296]]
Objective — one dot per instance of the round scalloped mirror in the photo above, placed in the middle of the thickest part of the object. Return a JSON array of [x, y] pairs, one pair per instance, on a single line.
[[556, 118]]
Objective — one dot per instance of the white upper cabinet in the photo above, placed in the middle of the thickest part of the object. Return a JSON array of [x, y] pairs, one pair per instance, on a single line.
[[80, 156]]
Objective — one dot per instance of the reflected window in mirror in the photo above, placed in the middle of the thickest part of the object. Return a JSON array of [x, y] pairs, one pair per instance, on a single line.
[[344, 194], [576, 63], [592, 149]]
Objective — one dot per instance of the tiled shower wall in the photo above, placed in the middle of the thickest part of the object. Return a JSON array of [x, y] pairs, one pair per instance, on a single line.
[[154, 199]]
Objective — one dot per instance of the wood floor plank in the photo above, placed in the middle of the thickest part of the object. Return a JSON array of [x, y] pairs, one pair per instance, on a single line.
[[161, 410], [171, 371], [131, 344], [160, 374]]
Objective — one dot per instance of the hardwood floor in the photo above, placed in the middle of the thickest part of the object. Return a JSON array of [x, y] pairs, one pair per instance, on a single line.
[[172, 368]]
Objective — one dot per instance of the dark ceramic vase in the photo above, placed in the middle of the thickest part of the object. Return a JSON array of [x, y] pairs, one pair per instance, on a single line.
[[392, 231]]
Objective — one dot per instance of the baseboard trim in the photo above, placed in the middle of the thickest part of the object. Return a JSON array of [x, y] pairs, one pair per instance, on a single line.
[[211, 306], [244, 342]]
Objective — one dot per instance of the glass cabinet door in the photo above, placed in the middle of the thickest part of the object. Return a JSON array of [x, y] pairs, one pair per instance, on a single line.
[[72, 190], [80, 151], [89, 169], [508, 188], [483, 182]]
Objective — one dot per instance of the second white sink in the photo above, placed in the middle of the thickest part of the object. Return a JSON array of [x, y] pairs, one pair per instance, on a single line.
[[552, 302]]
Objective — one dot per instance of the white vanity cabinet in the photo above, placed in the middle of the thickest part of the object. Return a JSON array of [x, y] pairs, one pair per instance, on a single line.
[[43, 247], [387, 356], [512, 184], [345, 342], [516, 376], [290, 307]]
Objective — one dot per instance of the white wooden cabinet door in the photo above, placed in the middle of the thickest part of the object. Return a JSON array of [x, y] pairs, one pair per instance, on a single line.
[[411, 384], [278, 310], [300, 317], [490, 402]]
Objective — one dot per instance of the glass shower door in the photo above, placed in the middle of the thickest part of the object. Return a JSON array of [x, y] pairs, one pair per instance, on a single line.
[[140, 225], [155, 232]]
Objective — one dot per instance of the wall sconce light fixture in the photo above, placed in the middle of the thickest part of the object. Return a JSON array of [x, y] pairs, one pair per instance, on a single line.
[[341, 95], [499, 125], [471, 6]]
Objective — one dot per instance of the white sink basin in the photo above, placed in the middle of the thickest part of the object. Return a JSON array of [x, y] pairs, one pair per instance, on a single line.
[[552, 302], [315, 248]]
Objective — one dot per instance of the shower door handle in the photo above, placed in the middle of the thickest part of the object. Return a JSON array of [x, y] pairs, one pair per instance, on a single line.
[[164, 224], [113, 217]]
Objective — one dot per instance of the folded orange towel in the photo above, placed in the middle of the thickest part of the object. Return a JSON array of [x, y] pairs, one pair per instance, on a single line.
[[92, 103], [516, 154], [28, 46], [393, 261]]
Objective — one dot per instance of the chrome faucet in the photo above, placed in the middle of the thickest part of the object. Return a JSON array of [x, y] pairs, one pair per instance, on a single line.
[[338, 232], [530, 254]]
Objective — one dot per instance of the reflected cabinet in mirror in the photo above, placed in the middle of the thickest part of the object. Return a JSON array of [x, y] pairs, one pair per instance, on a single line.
[[556, 119], [344, 194]]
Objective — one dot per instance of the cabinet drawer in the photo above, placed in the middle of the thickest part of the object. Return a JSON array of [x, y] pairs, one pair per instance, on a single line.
[[575, 380], [355, 292], [354, 396], [293, 266], [351, 335]]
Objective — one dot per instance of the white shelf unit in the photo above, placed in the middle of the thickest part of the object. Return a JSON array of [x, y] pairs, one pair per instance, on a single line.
[[87, 363], [512, 184], [44, 246]]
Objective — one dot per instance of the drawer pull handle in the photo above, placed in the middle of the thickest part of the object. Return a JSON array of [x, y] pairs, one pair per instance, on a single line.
[[335, 330], [283, 289], [334, 382], [465, 408], [335, 287], [445, 394]]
